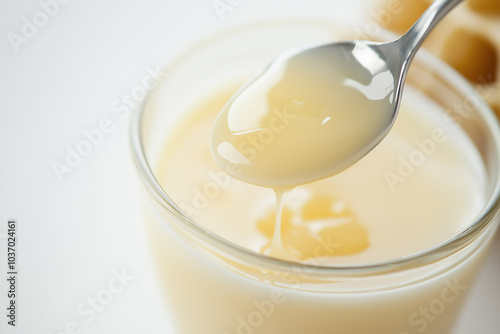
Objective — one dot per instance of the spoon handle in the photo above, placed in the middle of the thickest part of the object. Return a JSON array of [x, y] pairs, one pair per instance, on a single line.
[[415, 36]]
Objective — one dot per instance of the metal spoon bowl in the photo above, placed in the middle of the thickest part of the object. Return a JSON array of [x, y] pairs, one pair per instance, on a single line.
[[343, 97]]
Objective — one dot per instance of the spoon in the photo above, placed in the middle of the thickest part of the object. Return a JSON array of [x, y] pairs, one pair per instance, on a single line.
[[315, 111]]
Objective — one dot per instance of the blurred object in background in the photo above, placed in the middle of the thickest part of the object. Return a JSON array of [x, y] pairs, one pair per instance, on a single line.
[[468, 39]]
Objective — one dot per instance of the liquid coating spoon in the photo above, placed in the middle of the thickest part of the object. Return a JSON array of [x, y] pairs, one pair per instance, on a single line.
[[314, 112]]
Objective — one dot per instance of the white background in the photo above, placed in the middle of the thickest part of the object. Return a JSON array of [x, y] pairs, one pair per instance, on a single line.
[[73, 234]]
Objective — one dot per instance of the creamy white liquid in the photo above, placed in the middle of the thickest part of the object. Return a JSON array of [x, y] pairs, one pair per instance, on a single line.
[[310, 115], [388, 205], [363, 215], [422, 185]]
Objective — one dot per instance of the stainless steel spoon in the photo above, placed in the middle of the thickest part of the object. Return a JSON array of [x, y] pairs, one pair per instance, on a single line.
[[398, 55], [347, 92]]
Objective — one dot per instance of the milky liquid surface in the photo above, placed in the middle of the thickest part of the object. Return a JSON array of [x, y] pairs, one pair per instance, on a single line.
[[419, 187]]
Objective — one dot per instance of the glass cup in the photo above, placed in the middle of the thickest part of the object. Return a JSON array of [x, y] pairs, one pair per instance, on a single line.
[[213, 286]]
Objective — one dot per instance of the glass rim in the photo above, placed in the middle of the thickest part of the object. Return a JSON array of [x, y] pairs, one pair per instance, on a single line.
[[236, 252]]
